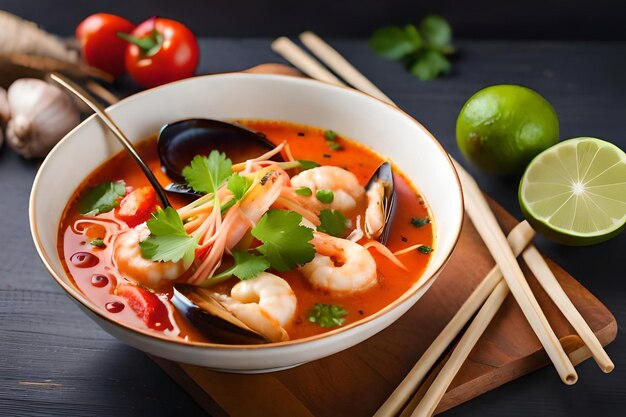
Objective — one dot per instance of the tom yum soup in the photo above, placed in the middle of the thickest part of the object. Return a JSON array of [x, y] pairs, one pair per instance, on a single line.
[[290, 249]]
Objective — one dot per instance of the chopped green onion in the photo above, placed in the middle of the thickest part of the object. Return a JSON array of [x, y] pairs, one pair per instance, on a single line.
[[330, 135], [425, 249], [304, 191], [419, 222], [334, 145], [325, 196], [98, 243]]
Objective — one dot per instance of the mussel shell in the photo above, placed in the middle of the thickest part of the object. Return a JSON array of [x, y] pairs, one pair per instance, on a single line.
[[180, 141], [211, 319], [384, 173]]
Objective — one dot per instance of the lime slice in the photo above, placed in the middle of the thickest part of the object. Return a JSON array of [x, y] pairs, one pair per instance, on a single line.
[[575, 192]]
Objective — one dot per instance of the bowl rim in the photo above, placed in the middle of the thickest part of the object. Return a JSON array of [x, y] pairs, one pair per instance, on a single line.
[[84, 302]]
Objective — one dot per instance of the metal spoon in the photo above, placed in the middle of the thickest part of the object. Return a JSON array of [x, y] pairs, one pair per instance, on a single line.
[[89, 100]]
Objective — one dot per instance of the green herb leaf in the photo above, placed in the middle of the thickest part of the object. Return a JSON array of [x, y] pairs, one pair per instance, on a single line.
[[285, 242], [436, 31], [392, 43], [304, 164], [327, 315], [334, 145], [168, 240], [206, 174], [419, 222], [325, 196], [430, 65], [102, 198], [304, 191], [247, 265], [239, 185], [330, 135], [425, 249], [333, 223], [98, 243], [413, 34]]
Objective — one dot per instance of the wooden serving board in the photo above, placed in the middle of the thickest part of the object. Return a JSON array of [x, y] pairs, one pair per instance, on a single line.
[[357, 381]]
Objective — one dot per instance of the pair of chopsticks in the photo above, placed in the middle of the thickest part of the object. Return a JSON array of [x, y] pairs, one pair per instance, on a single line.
[[487, 298]]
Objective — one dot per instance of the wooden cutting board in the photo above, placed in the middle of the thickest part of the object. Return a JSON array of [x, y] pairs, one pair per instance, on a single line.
[[357, 381]]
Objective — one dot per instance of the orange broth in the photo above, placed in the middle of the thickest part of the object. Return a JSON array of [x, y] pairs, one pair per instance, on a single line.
[[306, 143]]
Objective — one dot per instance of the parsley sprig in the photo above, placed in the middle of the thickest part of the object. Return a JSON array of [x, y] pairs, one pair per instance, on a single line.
[[424, 50], [168, 240]]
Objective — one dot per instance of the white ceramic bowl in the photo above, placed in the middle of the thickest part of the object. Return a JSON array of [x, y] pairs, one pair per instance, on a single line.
[[226, 96]]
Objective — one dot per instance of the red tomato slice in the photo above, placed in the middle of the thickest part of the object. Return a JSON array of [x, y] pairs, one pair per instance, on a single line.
[[146, 305], [101, 46], [138, 206]]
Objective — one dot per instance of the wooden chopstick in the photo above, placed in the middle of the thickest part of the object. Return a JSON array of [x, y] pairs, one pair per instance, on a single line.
[[487, 226], [300, 59], [518, 238]]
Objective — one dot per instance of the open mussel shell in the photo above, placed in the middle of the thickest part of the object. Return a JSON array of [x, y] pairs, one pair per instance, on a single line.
[[211, 318], [179, 142], [384, 175]]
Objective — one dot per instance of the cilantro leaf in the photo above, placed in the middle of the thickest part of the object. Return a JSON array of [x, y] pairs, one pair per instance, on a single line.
[[168, 240], [102, 198], [425, 249], [393, 42], [206, 174], [304, 164], [248, 265], [239, 185], [330, 135], [332, 222], [436, 31], [97, 242], [285, 242], [430, 65], [327, 315]]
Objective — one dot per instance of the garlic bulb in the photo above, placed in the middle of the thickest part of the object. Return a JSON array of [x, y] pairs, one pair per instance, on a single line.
[[4, 113], [41, 114]]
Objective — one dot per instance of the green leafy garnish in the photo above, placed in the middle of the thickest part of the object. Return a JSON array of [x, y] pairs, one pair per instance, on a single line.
[[247, 265], [98, 243], [334, 145], [304, 164], [168, 240], [325, 196], [304, 191], [238, 185], [420, 221], [327, 315], [424, 51], [330, 135], [332, 222], [102, 198], [206, 174], [285, 242], [425, 249]]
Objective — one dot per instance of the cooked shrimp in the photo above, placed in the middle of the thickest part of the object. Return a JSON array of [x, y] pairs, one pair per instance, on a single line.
[[129, 262], [348, 194], [340, 266], [265, 303]]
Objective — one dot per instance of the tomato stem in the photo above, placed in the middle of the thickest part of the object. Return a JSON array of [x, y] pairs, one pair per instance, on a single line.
[[149, 45]]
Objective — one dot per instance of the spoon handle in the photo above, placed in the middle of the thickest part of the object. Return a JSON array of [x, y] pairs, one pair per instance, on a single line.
[[101, 112]]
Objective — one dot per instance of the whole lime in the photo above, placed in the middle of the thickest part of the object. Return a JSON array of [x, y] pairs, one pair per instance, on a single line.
[[502, 127]]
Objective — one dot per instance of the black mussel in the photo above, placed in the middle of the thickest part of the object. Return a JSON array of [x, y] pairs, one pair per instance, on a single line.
[[179, 142], [380, 188], [213, 320]]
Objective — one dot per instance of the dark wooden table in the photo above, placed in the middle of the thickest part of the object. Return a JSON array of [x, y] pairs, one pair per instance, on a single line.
[[55, 361]]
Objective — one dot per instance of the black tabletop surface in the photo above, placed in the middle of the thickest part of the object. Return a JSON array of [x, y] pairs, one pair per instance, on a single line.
[[56, 361]]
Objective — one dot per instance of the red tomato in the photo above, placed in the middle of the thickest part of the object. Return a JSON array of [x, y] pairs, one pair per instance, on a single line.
[[101, 46], [137, 207], [161, 51], [146, 305]]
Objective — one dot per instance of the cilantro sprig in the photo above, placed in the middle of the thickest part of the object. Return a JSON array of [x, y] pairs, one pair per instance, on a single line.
[[168, 240], [206, 174], [327, 315], [332, 222], [102, 198], [424, 49]]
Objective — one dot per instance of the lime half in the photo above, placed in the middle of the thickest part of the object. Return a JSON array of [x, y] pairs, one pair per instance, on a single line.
[[575, 192]]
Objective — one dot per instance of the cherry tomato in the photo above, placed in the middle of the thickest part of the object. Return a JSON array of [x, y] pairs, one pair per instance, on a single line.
[[146, 305], [137, 206], [161, 51], [101, 46]]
